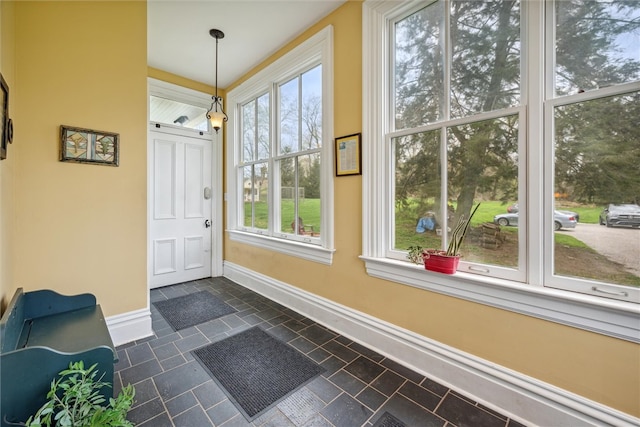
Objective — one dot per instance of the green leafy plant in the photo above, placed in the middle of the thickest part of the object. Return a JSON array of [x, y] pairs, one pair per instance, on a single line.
[[75, 399], [415, 253], [459, 233]]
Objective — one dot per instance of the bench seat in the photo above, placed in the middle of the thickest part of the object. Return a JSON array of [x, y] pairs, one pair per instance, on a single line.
[[41, 333]]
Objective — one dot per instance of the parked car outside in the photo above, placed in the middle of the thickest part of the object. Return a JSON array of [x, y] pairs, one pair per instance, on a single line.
[[627, 215], [514, 209], [570, 213], [564, 219]]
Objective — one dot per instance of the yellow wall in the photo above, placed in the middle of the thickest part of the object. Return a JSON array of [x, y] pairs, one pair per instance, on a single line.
[[600, 368], [80, 228], [7, 166], [183, 81]]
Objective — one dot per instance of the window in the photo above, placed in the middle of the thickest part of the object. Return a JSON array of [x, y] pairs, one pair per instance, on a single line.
[[178, 110], [593, 109], [454, 134], [281, 139], [175, 113], [528, 108]]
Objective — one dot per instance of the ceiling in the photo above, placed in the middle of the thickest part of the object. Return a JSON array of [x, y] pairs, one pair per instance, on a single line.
[[179, 42]]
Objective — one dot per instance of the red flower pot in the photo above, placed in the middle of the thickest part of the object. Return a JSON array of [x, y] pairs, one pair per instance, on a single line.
[[440, 262]]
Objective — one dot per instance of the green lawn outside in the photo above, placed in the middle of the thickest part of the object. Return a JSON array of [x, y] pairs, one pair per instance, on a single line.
[[308, 210], [406, 221], [406, 236], [588, 214], [563, 239]]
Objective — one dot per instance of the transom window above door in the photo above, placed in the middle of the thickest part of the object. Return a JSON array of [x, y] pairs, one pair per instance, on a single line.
[[175, 113]]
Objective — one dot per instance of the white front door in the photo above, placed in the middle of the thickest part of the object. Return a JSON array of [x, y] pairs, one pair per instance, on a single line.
[[180, 208]]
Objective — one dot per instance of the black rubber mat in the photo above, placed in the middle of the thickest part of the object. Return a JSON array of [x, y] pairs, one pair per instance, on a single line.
[[192, 309], [256, 370]]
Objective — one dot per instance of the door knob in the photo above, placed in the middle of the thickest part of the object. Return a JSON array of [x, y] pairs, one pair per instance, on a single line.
[[207, 223]]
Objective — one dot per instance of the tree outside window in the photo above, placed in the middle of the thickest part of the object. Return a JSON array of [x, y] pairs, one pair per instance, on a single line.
[[290, 195], [459, 132]]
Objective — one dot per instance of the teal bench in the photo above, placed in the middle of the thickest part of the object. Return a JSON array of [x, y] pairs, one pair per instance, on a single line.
[[41, 332]]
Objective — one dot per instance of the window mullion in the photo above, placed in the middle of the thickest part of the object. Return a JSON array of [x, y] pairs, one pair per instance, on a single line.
[[444, 197], [296, 214], [546, 244], [274, 196], [253, 166], [447, 53], [296, 168], [532, 173], [252, 197], [299, 112]]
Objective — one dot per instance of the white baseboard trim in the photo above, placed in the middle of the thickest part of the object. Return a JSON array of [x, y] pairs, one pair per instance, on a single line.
[[523, 398], [130, 326]]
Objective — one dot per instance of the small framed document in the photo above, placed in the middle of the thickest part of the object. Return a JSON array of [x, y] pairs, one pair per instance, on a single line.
[[348, 155]]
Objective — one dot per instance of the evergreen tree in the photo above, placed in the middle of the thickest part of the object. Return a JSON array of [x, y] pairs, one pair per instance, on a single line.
[[597, 143]]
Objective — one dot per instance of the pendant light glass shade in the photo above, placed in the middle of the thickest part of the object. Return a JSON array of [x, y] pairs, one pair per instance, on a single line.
[[216, 117]]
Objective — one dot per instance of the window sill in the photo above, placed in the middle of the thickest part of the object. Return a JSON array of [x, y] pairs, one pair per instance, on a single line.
[[614, 318], [297, 249]]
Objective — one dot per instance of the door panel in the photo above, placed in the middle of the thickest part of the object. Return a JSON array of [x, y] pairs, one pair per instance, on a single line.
[[164, 260], [181, 242], [164, 207], [194, 175]]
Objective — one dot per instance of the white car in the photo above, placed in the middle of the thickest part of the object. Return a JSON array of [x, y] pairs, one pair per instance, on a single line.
[[561, 219]]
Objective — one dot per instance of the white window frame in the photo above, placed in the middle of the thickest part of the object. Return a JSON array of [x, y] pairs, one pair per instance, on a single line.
[[318, 49], [173, 92], [617, 318]]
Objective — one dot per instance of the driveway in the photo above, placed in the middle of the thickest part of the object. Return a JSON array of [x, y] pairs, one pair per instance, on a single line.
[[617, 244]]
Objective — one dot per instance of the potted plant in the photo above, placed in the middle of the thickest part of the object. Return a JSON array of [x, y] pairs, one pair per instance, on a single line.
[[76, 399], [439, 260]]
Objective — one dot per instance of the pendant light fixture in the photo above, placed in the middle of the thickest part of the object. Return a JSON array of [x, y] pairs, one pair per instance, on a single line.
[[216, 117]]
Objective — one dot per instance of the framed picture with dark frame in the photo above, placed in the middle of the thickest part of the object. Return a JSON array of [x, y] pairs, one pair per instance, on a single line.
[[348, 155], [6, 125], [96, 147]]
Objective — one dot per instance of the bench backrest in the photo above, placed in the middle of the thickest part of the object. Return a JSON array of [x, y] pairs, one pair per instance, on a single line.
[[12, 322], [32, 305], [45, 302]]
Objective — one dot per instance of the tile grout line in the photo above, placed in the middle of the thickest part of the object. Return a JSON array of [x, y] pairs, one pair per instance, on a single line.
[[257, 308]]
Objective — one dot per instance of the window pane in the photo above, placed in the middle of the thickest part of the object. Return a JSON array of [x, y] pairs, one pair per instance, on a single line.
[[309, 194], [264, 131], [483, 167], [176, 113], [485, 73], [312, 109], [288, 191], [596, 44], [256, 186], [249, 131], [289, 112], [417, 192], [597, 153], [418, 73], [260, 194], [247, 174]]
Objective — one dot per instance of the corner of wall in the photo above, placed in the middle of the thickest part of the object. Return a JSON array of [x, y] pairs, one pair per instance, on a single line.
[[7, 166]]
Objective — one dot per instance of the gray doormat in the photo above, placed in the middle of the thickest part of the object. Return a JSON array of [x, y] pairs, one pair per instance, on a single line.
[[256, 370], [192, 309], [388, 420]]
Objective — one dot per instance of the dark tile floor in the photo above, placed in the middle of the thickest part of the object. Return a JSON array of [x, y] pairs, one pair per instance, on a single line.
[[358, 387]]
